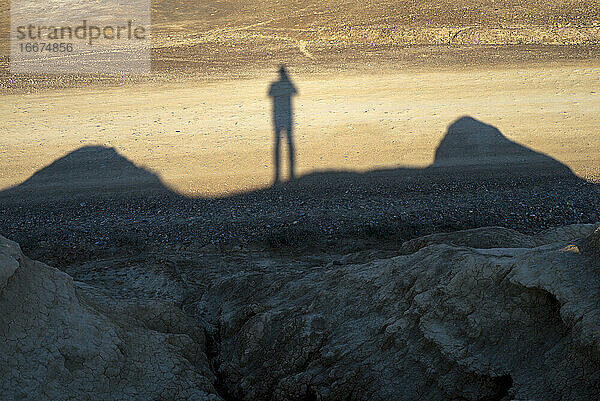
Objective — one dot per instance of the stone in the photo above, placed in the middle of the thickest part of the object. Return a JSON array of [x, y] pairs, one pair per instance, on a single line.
[[64, 340]]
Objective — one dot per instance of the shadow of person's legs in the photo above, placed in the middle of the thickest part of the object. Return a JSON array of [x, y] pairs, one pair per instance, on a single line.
[[291, 150], [276, 154]]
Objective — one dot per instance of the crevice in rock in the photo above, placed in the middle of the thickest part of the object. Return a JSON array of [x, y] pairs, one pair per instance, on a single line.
[[504, 384], [212, 341], [223, 391]]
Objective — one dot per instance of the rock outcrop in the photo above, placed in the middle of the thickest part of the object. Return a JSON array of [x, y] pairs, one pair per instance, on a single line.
[[64, 340], [486, 314], [445, 322]]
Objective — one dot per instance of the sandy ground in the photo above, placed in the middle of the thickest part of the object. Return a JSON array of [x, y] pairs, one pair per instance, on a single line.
[[214, 137]]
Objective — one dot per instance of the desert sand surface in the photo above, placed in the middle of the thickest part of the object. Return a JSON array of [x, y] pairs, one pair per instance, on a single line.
[[215, 138], [379, 83]]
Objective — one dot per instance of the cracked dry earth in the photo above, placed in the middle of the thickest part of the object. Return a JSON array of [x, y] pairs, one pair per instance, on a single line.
[[484, 314]]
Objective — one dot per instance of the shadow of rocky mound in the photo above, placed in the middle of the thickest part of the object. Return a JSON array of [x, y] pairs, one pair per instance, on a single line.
[[469, 146], [470, 151], [88, 171], [469, 142]]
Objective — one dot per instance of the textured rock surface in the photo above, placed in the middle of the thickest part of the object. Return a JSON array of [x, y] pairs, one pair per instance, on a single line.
[[64, 340], [445, 322], [485, 314], [591, 245]]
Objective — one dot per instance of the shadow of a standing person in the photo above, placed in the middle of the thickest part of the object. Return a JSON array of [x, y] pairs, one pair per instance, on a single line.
[[282, 91]]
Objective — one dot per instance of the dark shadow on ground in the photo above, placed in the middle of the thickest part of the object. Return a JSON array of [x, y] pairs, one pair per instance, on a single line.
[[89, 171], [479, 178], [469, 142]]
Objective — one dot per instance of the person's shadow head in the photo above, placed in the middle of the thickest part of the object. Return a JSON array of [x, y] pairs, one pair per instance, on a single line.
[[281, 92], [283, 74]]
